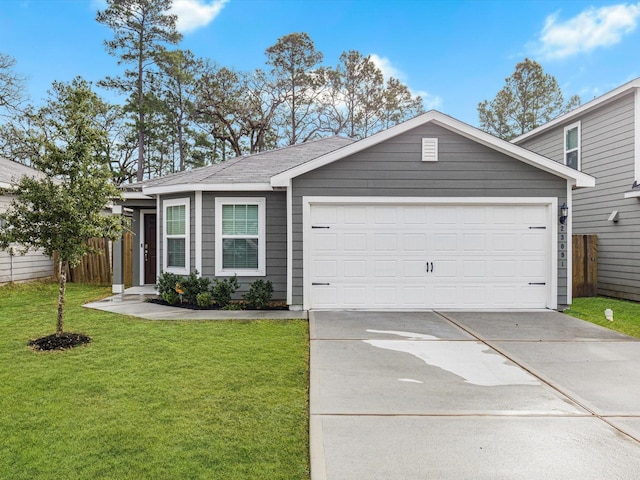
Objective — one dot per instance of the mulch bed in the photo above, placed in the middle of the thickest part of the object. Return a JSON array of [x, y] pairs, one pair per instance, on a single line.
[[239, 304], [59, 342]]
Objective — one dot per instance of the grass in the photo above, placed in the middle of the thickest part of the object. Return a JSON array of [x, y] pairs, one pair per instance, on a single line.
[[149, 399], [626, 315]]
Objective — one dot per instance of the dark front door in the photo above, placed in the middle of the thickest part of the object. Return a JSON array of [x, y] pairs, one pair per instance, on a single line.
[[150, 255]]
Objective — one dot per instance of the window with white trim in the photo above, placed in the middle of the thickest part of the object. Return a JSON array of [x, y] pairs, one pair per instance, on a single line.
[[572, 146], [176, 235], [240, 236]]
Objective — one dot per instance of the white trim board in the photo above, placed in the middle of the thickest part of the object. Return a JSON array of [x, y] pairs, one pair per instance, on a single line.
[[550, 202]]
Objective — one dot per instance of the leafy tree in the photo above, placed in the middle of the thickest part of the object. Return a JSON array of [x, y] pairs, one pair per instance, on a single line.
[[298, 76], [62, 211], [529, 99], [141, 28]]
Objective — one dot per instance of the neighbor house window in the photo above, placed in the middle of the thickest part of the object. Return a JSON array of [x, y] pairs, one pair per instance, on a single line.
[[176, 235], [240, 236], [572, 146]]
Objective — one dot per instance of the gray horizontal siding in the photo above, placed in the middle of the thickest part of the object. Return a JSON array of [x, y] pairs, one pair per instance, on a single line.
[[608, 153], [394, 169], [276, 241]]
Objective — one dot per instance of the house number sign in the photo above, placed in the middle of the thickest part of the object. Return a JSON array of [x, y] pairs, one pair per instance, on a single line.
[[562, 253]]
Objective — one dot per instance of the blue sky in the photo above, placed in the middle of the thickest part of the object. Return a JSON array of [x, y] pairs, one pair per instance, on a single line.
[[454, 53]]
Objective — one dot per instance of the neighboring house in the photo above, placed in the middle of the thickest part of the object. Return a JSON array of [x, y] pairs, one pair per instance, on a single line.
[[602, 138], [431, 213], [15, 267]]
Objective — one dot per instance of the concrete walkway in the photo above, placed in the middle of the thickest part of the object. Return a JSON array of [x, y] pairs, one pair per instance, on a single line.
[[472, 396], [133, 302]]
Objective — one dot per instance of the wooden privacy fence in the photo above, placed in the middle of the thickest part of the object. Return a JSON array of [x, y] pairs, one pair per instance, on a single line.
[[585, 265], [98, 267]]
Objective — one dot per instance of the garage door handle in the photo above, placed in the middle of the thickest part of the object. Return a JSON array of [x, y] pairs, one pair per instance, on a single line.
[[429, 264], [316, 283], [537, 283]]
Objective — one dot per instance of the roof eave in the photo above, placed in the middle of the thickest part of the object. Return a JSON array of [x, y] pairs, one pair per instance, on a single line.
[[208, 187]]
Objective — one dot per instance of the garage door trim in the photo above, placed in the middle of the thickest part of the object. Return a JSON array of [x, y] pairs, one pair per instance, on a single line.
[[551, 204]]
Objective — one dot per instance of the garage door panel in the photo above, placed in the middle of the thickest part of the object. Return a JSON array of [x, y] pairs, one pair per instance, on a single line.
[[415, 243], [385, 242], [426, 256], [474, 269], [445, 242], [355, 242]]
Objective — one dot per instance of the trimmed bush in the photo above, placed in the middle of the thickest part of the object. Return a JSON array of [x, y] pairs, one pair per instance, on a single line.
[[204, 299], [223, 290], [259, 294], [167, 284], [171, 297], [192, 286]]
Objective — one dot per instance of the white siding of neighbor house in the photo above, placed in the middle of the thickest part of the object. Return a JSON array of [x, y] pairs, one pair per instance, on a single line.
[[608, 153], [32, 266], [394, 169]]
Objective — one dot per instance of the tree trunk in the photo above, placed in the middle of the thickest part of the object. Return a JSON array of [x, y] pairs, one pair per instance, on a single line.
[[63, 284]]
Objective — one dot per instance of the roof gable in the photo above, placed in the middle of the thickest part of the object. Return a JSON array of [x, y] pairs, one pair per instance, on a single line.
[[576, 178]]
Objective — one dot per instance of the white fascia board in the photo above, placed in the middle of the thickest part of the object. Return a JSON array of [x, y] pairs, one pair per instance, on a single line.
[[596, 102], [208, 187], [578, 179], [135, 196]]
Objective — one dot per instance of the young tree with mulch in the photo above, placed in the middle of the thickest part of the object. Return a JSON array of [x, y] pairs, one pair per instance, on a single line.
[[62, 211]]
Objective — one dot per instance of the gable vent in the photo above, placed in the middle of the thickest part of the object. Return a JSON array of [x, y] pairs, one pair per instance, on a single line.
[[429, 149]]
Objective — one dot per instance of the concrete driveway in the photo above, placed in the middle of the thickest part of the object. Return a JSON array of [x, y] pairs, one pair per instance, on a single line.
[[454, 395]]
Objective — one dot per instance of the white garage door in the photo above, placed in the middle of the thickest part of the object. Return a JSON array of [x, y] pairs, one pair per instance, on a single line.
[[382, 256]]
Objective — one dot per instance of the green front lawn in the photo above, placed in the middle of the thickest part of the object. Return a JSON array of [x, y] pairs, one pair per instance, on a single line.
[[149, 399], [626, 315]]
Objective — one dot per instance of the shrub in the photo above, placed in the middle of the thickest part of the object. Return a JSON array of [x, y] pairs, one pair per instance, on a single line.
[[192, 286], [167, 284], [259, 294], [204, 299], [222, 290], [171, 297]]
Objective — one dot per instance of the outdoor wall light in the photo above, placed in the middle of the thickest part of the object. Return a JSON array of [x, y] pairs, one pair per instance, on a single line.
[[564, 213]]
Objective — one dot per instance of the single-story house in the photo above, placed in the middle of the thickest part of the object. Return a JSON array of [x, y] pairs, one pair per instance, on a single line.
[[15, 267], [602, 138], [431, 213]]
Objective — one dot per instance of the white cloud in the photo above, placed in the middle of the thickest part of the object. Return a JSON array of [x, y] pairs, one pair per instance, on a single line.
[[429, 101], [384, 64], [592, 28], [194, 14]]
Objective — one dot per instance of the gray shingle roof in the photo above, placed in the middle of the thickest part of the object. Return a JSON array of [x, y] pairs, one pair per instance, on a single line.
[[11, 171], [256, 168]]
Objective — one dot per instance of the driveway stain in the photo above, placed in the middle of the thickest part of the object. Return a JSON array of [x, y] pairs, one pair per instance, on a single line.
[[476, 363]]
